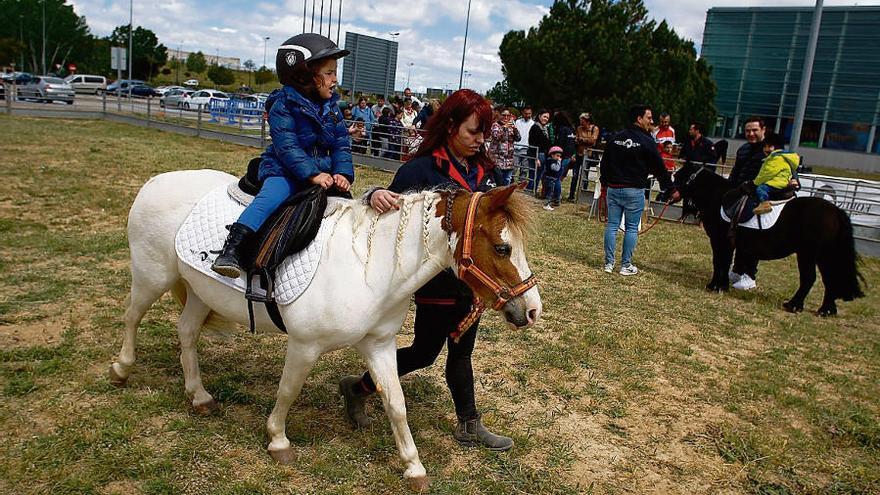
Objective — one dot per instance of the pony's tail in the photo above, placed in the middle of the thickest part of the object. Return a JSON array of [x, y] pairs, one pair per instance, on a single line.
[[846, 280]]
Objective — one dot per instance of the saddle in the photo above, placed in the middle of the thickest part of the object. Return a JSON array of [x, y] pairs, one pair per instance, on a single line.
[[290, 229], [739, 202]]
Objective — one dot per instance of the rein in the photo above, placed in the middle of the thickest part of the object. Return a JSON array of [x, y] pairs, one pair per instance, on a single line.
[[466, 265], [686, 184]]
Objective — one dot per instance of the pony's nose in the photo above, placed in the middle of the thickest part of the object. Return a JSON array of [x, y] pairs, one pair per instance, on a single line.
[[532, 316]]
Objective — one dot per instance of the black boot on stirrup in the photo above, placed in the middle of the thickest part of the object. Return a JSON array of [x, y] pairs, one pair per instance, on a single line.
[[228, 263]]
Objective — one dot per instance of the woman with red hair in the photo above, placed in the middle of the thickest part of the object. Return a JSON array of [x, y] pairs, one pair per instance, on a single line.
[[452, 155]]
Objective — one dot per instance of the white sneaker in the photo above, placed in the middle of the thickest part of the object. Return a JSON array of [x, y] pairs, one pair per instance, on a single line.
[[629, 270], [745, 283], [609, 267], [733, 276], [548, 208]]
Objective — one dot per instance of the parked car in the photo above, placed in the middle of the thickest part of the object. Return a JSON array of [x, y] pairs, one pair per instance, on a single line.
[[85, 83], [163, 90], [142, 90], [122, 85], [175, 98], [204, 97], [17, 77], [191, 82], [45, 88]]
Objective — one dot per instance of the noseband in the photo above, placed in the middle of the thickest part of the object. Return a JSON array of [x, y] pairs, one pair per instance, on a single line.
[[466, 265], [693, 176]]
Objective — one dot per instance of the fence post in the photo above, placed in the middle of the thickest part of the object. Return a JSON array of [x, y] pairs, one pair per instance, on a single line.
[[118, 100], [149, 104], [104, 103], [263, 131], [199, 122], [9, 95], [240, 118]]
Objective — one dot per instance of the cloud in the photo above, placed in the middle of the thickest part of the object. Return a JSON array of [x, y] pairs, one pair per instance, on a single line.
[[224, 30]]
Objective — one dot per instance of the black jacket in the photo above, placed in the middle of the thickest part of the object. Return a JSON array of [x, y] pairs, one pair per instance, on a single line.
[[703, 151], [630, 155], [423, 173], [538, 139], [749, 158], [565, 140]]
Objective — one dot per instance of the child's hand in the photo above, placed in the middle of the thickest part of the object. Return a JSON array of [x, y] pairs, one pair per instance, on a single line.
[[383, 200], [323, 179], [341, 183]]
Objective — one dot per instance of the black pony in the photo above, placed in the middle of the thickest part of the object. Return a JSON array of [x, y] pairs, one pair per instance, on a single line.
[[819, 233]]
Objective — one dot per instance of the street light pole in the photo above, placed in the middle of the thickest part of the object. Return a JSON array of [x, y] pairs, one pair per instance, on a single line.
[[409, 73], [43, 57], [265, 45], [130, 28], [467, 24], [800, 109], [388, 67]]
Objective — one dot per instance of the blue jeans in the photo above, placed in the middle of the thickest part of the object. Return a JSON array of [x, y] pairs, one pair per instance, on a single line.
[[503, 177], [627, 202], [762, 192], [553, 188], [275, 191]]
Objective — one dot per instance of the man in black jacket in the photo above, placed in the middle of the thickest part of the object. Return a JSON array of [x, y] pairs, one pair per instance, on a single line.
[[749, 158], [629, 157], [698, 149]]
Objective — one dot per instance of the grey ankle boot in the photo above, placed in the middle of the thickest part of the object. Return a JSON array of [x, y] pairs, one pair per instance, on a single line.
[[472, 433], [355, 404]]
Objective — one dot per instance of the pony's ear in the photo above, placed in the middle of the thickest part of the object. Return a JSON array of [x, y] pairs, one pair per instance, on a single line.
[[500, 196]]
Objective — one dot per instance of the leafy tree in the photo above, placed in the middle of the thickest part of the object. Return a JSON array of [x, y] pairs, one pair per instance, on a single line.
[[220, 75], [67, 35], [504, 94], [249, 65], [10, 51], [148, 55], [603, 56], [263, 76], [195, 62]]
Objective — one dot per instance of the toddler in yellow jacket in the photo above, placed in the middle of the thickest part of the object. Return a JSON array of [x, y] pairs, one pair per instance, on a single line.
[[776, 171]]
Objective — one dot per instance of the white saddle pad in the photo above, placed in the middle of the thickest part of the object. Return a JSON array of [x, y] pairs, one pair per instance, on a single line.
[[760, 222], [201, 237]]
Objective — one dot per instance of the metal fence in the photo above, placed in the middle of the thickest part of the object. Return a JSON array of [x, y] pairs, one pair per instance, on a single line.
[[387, 145]]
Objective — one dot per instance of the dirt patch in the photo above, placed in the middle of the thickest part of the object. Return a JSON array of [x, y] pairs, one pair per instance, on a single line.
[[121, 487], [46, 332]]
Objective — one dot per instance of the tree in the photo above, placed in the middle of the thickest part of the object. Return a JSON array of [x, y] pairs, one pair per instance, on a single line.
[[504, 94], [11, 51], [67, 35], [220, 75], [148, 55], [603, 56], [195, 62], [263, 76], [249, 65]]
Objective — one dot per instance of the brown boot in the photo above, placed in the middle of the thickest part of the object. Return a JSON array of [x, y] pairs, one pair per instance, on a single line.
[[764, 207], [472, 433]]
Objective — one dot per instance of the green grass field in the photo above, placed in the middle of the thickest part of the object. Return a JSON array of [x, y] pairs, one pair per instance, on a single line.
[[643, 384]]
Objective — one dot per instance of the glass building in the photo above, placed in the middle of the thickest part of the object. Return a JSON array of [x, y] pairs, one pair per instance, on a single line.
[[757, 55], [372, 65]]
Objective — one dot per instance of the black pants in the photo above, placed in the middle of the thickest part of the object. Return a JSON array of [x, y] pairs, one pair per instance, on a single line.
[[745, 264], [433, 324], [575, 168]]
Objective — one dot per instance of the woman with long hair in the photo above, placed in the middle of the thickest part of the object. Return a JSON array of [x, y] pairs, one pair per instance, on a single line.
[[452, 155]]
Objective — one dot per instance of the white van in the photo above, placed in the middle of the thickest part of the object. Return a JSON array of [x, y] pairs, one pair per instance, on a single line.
[[85, 83]]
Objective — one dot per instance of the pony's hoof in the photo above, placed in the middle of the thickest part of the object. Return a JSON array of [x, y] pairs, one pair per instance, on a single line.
[[827, 311], [792, 307], [206, 408], [115, 379], [419, 484], [284, 456]]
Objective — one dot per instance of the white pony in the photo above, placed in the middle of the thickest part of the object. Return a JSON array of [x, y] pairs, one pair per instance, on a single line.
[[358, 297]]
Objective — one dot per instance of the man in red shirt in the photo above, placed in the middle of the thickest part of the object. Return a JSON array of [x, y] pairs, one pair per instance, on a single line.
[[664, 132]]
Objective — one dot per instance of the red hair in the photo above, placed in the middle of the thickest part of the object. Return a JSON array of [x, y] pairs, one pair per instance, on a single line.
[[449, 117]]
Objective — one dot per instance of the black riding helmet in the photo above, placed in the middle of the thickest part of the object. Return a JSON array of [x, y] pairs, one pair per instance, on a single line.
[[306, 47]]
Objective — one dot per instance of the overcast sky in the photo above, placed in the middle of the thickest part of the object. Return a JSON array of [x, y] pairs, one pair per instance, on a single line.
[[431, 31]]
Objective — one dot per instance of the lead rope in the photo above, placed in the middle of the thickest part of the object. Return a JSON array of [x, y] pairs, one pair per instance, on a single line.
[[656, 219]]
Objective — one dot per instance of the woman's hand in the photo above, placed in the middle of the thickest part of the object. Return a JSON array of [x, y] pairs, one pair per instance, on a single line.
[[383, 200], [341, 182], [323, 179]]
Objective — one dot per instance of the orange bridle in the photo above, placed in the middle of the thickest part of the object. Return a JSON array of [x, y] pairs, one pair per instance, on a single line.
[[466, 265]]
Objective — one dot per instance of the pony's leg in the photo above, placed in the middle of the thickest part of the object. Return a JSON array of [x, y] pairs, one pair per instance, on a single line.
[[300, 359], [807, 270], [381, 357], [828, 307], [145, 290], [722, 254], [191, 319]]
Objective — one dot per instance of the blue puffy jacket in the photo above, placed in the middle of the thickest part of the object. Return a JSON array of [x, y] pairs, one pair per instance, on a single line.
[[307, 138]]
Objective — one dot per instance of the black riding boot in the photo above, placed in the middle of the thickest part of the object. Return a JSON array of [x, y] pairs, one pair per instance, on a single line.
[[228, 263], [472, 433]]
